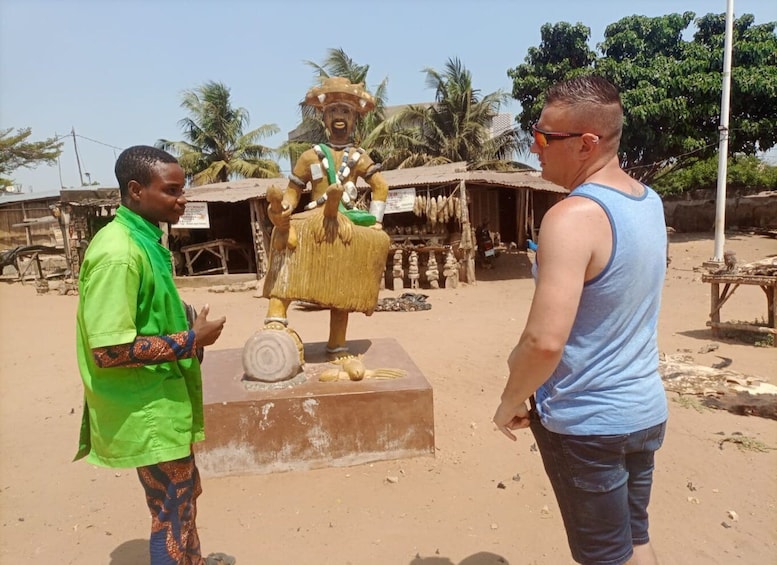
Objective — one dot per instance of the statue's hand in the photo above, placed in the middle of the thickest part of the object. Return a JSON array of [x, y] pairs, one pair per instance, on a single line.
[[333, 194], [377, 226], [280, 216]]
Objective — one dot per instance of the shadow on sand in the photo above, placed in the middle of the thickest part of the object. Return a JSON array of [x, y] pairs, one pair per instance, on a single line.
[[130, 553], [507, 266], [480, 558]]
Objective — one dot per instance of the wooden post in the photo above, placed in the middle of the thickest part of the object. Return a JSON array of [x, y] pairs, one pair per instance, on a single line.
[[223, 254], [522, 212], [714, 309], [72, 250], [258, 238], [466, 237]]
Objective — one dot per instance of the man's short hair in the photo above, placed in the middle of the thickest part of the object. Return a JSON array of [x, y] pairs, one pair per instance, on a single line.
[[598, 99], [137, 163], [583, 89]]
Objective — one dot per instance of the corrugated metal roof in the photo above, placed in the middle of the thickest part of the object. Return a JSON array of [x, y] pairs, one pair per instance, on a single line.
[[28, 196], [245, 189], [233, 191]]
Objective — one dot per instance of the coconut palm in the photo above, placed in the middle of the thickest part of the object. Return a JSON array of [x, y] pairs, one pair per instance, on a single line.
[[456, 127], [216, 147]]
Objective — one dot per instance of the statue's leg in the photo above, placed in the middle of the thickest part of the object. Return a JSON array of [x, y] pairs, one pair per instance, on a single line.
[[276, 313], [338, 324]]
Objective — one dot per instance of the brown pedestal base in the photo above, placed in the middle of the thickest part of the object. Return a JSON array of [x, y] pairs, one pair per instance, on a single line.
[[314, 424]]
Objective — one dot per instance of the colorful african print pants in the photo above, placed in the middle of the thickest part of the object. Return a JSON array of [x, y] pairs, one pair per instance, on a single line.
[[172, 489]]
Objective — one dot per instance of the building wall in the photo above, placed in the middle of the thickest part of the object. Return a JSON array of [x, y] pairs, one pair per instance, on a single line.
[[17, 212], [754, 211]]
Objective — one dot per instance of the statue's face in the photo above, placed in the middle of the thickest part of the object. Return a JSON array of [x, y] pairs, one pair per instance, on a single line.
[[339, 120]]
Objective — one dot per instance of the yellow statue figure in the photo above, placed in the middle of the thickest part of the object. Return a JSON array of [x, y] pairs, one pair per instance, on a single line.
[[331, 254]]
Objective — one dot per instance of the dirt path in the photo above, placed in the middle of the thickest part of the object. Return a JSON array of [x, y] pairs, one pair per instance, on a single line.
[[443, 510]]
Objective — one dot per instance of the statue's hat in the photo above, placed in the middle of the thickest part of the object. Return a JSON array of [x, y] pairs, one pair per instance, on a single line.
[[340, 90]]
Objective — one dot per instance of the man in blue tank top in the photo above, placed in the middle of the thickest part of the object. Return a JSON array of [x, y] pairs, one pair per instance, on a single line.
[[587, 360]]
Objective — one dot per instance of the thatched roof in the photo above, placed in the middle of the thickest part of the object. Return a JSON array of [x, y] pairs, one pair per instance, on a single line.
[[91, 196], [245, 189]]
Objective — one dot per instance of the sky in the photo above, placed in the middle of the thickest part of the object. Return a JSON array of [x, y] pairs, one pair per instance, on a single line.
[[113, 71]]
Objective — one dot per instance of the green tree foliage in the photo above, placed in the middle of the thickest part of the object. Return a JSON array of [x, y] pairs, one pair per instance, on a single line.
[[671, 87], [562, 53], [456, 127], [16, 152], [745, 173], [216, 146]]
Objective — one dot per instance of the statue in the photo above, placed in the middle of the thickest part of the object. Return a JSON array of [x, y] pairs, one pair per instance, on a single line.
[[432, 272], [331, 254], [450, 270], [397, 271], [412, 270]]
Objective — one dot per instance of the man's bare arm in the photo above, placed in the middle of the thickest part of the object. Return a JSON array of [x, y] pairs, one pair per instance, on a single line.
[[566, 247]]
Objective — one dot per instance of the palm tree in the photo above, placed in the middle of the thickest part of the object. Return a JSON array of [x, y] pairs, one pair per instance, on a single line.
[[456, 127], [337, 64], [216, 146]]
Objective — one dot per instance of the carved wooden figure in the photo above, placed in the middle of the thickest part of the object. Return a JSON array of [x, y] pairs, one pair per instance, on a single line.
[[412, 270], [432, 273], [451, 271], [397, 272]]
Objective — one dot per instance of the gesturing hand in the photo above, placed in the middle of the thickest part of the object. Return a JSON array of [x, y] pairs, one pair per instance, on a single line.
[[510, 416], [206, 332]]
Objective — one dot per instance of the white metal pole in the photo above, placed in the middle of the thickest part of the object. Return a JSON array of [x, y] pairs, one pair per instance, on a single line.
[[720, 202]]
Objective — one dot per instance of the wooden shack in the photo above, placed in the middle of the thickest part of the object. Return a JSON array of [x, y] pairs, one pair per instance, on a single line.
[[514, 203], [16, 210], [238, 231]]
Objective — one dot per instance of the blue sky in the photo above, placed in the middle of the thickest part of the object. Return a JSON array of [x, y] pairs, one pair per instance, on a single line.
[[114, 69]]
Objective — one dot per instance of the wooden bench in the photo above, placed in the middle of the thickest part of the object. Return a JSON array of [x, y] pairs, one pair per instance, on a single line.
[[768, 284], [220, 249]]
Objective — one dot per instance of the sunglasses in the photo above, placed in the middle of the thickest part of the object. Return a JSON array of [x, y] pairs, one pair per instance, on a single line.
[[542, 137]]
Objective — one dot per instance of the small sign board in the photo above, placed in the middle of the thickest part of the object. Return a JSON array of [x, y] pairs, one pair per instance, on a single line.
[[195, 217], [400, 200]]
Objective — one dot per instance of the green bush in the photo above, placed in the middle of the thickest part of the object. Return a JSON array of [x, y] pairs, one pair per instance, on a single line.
[[744, 173]]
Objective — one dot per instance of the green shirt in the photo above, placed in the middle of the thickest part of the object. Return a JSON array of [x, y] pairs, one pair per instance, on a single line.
[[133, 416]]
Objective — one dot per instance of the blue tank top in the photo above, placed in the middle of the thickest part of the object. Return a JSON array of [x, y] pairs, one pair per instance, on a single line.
[[607, 381]]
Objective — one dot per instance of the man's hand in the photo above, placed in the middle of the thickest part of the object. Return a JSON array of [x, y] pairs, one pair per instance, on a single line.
[[206, 332], [510, 416]]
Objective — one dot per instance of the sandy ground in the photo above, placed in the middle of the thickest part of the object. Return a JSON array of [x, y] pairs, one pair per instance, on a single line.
[[444, 510]]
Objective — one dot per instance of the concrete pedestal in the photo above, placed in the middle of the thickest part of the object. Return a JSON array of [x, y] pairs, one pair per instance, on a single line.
[[314, 424]]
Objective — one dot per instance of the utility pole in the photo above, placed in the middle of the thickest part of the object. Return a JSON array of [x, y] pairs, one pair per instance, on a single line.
[[78, 160], [720, 202], [59, 165]]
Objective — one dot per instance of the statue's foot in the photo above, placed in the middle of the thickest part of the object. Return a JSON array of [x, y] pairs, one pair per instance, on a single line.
[[337, 353], [276, 323]]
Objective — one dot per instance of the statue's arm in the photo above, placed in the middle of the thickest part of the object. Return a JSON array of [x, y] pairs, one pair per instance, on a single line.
[[379, 190], [282, 204]]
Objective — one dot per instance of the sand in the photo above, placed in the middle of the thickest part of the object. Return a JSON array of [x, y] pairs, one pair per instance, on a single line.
[[479, 500]]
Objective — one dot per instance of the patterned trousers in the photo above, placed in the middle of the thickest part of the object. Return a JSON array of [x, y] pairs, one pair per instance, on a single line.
[[172, 489]]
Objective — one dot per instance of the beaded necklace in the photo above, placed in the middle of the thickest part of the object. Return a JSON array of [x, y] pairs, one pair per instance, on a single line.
[[351, 156]]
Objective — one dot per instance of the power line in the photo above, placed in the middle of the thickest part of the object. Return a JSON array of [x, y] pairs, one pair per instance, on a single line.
[[99, 142], [661, 162]]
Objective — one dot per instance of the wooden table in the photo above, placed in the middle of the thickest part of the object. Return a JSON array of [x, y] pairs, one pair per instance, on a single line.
[[767, 283], [220, 248]]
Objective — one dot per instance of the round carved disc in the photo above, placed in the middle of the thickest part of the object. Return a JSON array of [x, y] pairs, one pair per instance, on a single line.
[[271, 356]]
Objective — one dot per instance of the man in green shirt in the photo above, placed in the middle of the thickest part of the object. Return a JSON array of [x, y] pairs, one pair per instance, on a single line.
[[137, 355]]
